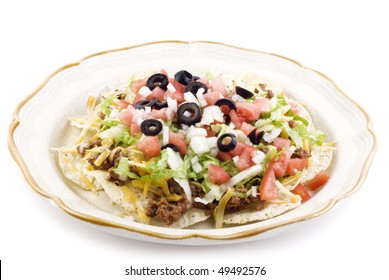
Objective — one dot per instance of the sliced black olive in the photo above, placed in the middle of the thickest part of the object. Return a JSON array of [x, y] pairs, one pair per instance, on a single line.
[[189, 113], [230, 145], [157, 80], [255, 136], [183, 77], [159, 105], [243, 92], [193, 87], [172, 146], [195, 78], [226, 102], [144, 103], [151, 127]]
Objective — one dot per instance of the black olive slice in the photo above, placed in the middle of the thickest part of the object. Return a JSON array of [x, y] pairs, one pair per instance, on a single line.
[[193, 87], [195, 78], [144, 103], [157, 80], [189, 113], [172, 146], [159, 105], [151, 127], [183, 77], [255, 136], [243, 92], [226, 102], [230, 145]]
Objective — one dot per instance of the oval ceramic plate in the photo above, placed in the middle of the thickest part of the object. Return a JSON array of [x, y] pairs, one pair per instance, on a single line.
[[40, 122]]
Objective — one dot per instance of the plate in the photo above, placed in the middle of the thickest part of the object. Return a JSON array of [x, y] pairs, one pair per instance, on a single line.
[[41, 120]]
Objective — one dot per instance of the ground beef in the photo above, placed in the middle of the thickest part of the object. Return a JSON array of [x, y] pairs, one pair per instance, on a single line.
[[236, 204], [269, 94], [233, 205], [301, 153], [168, 211], [174, 187]]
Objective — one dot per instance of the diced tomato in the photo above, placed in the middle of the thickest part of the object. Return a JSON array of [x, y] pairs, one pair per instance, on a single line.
[[245, 159], [301, 191], [138, 97], [246, 128], [263, 104], [217, 175], [178, 140], [123, 104], [177, 95], [157, 93], [236, 120], [126, 116], [280, 165], [178, 86], [134, 128], [281, 143], [248, 110], [268, 189], [211, 97], [224, 156], [138, 84], [237, 151], [150, 146], [159, 114], [218, 86], [294, 107], [295, 164], [318, 181]]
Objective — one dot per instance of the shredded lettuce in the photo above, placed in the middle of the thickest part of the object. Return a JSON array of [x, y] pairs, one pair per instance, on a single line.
[[124, 169], [120, 134], [105, 107]]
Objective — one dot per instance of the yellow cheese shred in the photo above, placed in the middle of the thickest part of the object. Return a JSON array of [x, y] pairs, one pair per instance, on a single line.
[[218, 213], [82, 177], [100, 159], [129, 195]]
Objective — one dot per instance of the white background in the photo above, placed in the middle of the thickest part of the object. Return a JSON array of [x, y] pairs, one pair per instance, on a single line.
[[348, 42]]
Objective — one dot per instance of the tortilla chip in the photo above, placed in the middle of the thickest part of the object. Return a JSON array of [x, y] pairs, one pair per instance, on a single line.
[[189, 218], [270, 211], [75, 168], [320, 160]]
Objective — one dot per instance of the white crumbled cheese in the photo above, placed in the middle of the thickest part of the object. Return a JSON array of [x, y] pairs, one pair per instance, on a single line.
[[172, 104], [189, 97], [214, 151], [270, 136], [165, 135], [200, 97], [199, 145], [144, 91], [194, 159], [235, 159], [258, 157], [195, 131], [140, 115], [171, 88], [114, 113], [237, 97], [197, 167], [254, 191], [169, 114], [211, 114], [212, 142]]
